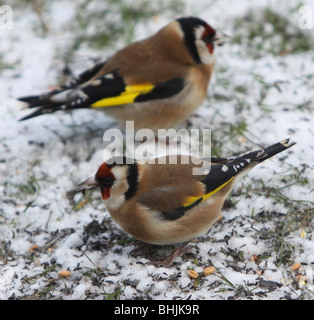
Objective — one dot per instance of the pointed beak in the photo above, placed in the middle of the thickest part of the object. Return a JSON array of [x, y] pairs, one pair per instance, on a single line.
[[89, 184], [221, 38]]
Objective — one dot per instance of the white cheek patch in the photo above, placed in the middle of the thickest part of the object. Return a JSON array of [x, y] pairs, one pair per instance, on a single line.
[[119, 187], [120, 172], [114, 201], [204, 53], [202, 49]]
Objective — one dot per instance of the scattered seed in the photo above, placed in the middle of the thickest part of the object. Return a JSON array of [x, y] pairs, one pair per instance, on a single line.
[[34, 247], [64, 273], [253, 257], [209, 270], [192, 274], [286, 282], [259, 272], [301, 280], [242, 139], [295, 266]]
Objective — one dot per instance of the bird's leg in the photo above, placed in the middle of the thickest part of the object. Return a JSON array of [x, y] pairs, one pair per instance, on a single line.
[[142, 247], [178, 252]]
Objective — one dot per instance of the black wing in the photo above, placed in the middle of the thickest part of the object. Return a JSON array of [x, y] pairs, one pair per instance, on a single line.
[[44, 99], [105, 91]]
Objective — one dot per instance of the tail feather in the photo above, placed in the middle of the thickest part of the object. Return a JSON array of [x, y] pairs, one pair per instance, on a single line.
[[43, 102], [43, 110], [50, 107], [30, 100], [37, 101], [48, 103], [274, 149], [225, 172], [55, 101]]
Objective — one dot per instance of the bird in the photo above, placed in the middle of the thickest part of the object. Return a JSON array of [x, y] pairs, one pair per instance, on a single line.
[[157, 82], [163, 203]]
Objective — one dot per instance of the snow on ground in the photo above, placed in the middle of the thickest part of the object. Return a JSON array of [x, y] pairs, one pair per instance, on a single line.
[[268, 219]]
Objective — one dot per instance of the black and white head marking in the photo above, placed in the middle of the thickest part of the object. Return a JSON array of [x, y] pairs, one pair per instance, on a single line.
[[125, 168], [198, 37]]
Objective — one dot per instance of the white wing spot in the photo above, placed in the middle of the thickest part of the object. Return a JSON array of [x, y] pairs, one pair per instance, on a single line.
[[109, 76], [285, 143], [224, 168], [96, 82]]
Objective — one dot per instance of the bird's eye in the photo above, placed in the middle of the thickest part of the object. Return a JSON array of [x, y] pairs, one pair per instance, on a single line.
[[106, 182], [208, 39]]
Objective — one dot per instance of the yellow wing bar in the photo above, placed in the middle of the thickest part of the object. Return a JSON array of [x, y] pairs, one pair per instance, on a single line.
[[190, 200], [127, 96]]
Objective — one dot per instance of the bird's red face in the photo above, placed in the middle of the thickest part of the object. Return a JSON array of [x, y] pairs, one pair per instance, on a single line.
[[208, 37], [105, 179]]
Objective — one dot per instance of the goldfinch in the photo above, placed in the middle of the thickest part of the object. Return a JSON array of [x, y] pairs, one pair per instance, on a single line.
[[157, 82], [164, 203]]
